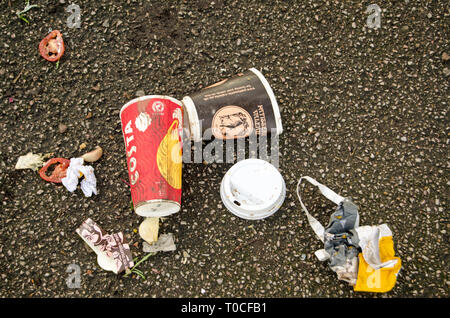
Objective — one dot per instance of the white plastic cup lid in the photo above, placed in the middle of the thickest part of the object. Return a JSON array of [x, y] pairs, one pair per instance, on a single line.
[[253, 189]]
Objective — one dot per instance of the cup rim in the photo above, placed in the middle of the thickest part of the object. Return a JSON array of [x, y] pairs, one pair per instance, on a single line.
[[273, 100], [142, 98], [194, 125]]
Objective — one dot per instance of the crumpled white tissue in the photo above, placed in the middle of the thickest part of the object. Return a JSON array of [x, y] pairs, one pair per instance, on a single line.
[[76, 170]]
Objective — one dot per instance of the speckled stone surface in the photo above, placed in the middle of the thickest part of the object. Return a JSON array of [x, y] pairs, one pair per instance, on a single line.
[[365, 111]]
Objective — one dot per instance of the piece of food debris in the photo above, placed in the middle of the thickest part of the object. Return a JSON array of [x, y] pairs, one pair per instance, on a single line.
[[52, 46], [148, 230]]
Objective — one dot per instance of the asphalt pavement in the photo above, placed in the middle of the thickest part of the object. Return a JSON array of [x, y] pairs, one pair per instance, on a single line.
[[364, 111]]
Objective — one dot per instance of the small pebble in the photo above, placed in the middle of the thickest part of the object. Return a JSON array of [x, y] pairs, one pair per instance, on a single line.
[[62, 128]]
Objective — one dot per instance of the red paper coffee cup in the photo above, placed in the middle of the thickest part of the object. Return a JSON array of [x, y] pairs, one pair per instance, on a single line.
[[152, 127]]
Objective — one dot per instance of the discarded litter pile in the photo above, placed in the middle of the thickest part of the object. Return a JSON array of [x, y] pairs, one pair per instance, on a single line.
[[363, 256], [152, 128], [252, 189], [67, 172]]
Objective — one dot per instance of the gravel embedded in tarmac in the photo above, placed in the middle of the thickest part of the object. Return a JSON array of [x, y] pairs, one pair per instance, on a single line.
[[365, 112]]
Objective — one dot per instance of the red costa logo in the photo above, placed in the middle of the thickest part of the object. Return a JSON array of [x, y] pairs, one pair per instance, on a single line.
[[129, 137]]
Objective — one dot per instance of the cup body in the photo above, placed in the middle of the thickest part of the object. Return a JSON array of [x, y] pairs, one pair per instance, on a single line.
[[233, 108], [152, 130]]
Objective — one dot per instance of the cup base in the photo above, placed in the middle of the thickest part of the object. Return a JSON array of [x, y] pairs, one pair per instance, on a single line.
[[157, 208]]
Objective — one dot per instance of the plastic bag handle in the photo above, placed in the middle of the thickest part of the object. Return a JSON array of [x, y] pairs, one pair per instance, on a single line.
[[326, 192]]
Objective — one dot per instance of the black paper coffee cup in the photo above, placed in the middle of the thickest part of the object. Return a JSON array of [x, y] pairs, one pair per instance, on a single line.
[[233, 108]]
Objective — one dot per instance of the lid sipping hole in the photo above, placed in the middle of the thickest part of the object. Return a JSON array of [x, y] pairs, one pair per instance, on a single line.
[[237, 203]]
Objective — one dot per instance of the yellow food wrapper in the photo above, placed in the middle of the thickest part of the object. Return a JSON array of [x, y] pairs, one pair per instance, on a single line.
[[383, 279]]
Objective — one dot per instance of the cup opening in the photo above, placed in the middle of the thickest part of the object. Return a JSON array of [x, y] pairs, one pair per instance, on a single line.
[[273, 100], [192, 116]]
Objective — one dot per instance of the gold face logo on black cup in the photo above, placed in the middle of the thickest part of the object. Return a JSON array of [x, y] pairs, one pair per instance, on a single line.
[[231, 122]]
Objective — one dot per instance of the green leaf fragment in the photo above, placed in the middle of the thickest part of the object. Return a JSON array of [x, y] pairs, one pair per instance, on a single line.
[[27, 8], [137, 271], [24, 19]]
